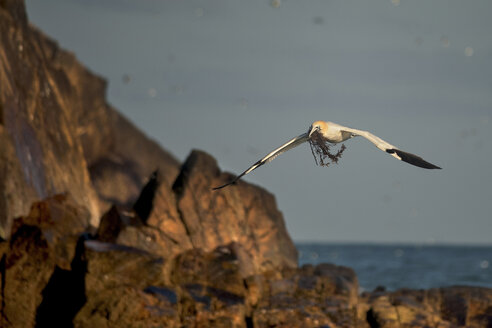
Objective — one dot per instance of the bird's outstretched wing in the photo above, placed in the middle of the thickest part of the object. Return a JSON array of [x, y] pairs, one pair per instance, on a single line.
[[271, 156], [392, 150]]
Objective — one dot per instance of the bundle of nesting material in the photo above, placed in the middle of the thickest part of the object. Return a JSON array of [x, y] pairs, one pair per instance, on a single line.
[[321, 150]]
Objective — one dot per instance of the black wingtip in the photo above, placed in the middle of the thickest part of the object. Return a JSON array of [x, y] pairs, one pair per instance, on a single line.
[[220, 187], [225, 185], [233, 182], [413, 159]]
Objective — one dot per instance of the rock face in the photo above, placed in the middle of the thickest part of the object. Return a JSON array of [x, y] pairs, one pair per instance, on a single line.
[[192, 216], [41, 252], [58, 134], [457, 306], [39, 130], [257, 224]]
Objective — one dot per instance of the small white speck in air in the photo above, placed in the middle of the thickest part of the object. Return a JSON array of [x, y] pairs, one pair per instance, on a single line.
[[275, 3], [444, 41], [395, 2], [243, 103], [152, 92], [468, 51], [199, 12], [126, 78], [484, 264]]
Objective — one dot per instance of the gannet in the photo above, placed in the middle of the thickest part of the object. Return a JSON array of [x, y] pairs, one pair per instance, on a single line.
[[332, 133]]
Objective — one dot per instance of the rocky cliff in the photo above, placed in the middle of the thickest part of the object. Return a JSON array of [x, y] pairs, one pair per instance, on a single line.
[[101, 227], [60, 135]]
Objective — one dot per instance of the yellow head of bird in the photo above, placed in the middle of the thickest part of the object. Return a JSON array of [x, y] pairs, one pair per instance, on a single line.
[[317, 126]]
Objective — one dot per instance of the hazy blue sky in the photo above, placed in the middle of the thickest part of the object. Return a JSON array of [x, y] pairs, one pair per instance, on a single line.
[[239, 78]]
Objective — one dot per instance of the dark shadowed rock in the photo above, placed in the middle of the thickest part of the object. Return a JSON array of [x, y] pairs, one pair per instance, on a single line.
[[42, 243], [145, 202], [125, 287], [64, 295], [111, 225], [124, 227]]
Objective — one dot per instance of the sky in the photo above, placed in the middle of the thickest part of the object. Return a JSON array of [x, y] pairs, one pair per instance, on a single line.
[[237, 79]]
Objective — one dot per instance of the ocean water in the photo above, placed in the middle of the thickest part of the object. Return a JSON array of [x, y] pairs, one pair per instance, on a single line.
[[406, 266]]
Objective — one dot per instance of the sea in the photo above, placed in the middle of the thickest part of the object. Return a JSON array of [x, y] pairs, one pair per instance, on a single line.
[[395, 266]]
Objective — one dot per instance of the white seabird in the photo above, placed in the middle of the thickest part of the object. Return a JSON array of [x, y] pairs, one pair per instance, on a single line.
[[333, 133]]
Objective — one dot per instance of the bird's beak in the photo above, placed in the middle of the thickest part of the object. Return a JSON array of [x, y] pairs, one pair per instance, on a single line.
[[311, 131]]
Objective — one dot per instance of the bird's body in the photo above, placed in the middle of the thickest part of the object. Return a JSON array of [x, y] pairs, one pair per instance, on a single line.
[[332, 132], [335, 133]]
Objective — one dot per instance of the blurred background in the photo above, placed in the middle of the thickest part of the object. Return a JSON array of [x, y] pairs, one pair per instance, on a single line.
[[239, 78]]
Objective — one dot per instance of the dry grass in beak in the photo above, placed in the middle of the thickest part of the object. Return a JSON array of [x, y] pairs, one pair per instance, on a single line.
[[321, 150]]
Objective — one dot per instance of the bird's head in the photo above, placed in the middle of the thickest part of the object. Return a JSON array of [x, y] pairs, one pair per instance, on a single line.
[[317, 126]]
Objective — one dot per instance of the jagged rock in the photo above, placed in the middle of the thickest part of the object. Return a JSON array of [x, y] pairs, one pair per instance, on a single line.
[[163, 234], [42, 244], [14, 194], [213, 292], [110, 265], [145, 202], [111, 225], [38, 121], [191, 215], [57, 132], [125, 287], [164, 224], [125, 306], [457, 306], [207, 215], [467, 306], [125, 228], [220, 269], [325, 295]]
